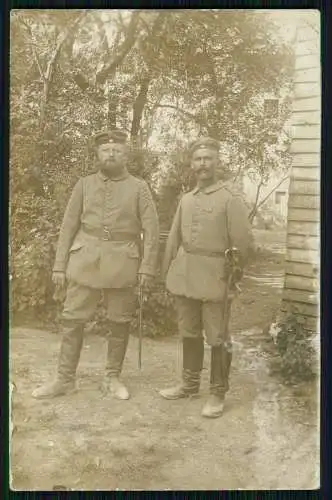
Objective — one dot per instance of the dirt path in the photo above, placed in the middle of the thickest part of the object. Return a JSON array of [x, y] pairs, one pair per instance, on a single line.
[[266, 439]]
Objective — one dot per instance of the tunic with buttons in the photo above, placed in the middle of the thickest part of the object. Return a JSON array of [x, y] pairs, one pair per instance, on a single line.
[[206, 223], [99, 204]]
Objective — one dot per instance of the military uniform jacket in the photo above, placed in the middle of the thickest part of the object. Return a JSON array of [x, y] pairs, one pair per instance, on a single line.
[[101, 206], [206, 223]]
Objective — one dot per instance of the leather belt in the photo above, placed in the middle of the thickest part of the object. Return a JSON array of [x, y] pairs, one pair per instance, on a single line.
[[107, 234], [204, 253]]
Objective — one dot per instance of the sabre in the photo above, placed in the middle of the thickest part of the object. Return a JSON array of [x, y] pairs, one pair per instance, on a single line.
[[140, 325], [231, 255]]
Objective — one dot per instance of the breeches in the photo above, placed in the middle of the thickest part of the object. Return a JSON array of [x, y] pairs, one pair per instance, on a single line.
[[194, 316], [81, 303]]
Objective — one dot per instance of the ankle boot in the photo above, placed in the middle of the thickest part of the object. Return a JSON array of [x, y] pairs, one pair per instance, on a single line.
[[116, 351], [221, 358], [69, 356], [193, 354]]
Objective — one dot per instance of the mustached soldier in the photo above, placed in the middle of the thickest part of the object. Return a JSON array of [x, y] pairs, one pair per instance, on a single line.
[[209, 220], [98, 250]]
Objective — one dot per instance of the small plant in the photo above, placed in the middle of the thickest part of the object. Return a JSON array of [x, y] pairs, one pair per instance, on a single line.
[[295, 357]]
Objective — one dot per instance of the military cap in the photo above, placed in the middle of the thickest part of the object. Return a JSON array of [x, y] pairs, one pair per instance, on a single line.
[[104, 137], [204, 142]]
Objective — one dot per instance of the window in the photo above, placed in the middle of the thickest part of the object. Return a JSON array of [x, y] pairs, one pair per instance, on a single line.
[[279, 196]]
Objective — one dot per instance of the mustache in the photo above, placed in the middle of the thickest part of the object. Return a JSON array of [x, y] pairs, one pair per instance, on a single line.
[[201, 169]]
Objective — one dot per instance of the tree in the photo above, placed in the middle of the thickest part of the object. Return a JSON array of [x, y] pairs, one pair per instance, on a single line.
[[161, 75]]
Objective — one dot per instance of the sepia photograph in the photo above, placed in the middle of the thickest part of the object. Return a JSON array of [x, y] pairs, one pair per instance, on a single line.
[[164, 249]]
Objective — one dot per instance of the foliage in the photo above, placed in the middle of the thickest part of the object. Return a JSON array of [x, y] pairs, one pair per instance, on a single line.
[[158, 315], [74, 72], [295, 357]]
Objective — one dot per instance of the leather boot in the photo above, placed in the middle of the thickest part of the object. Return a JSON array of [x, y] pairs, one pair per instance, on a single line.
[[69, 356], [221, 358], [116, 351], [193, 355]]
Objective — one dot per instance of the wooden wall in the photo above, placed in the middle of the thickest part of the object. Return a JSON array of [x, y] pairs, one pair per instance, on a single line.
[[301, 288]]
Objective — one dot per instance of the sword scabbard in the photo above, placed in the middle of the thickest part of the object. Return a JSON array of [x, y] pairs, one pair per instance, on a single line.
[[140, 326]]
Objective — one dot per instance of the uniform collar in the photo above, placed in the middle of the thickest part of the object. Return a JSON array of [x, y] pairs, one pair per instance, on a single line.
[[104, 177], [209, 189]]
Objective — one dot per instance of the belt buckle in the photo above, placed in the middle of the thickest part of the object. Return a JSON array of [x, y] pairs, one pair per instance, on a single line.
[[107, 234]]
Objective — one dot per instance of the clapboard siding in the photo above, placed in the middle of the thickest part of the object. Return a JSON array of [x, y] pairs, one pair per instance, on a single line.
[[302, 263], [307, 132], [307, 104], [303, 201], [311, 75], [302, 269], [305, 228], [306, 48], [305, 159], [301, 117], [305, 35], [305, 61], [301, 283], [304, 89], [308, 174], [313, 323], [304, 186], [310, 310], [303, 214], [305, 146], [302, 296], [303, 241], [302, 255]]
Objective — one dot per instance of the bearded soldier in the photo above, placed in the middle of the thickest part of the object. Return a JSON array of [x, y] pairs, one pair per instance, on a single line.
[[209, 220], [99, 250]]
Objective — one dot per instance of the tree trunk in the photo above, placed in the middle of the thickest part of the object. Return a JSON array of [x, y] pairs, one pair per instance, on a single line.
[[254, 209], [112, 110], [138, 107], [49, 73]]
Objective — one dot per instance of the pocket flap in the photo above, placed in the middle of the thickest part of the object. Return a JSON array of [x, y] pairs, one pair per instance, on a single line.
[[76, 246]]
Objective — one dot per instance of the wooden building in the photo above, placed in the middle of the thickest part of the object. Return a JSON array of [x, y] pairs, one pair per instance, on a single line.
[[302, 269]]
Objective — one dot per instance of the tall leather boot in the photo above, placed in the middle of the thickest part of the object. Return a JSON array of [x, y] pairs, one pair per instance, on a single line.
[[116, 351], [221, 359], [70, 351], [193, 356]]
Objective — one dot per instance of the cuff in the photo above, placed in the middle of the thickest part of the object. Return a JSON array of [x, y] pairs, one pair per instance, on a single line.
[[59, 267]]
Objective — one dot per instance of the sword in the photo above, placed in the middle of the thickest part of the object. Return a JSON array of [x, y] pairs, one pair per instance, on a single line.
[[231, 255], [140, 325]]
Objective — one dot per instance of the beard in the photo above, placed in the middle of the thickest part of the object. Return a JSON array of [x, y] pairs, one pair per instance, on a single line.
[[111, 168]]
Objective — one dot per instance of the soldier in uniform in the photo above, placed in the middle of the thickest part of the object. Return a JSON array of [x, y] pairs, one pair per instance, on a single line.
[[99, 250], [209, 219]]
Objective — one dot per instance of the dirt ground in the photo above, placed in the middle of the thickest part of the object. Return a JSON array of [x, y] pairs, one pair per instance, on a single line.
[[266, 439]]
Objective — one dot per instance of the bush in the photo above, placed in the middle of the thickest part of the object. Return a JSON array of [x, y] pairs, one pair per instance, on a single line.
[[33, 239], [158, 315], [295, 358]]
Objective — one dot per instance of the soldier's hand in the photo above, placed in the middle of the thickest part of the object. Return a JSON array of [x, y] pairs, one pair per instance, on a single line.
[[59, 279], [237, 274], [145, 281]]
